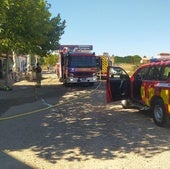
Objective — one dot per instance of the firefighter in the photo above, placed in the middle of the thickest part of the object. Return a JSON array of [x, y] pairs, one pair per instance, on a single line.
[[38, 71]]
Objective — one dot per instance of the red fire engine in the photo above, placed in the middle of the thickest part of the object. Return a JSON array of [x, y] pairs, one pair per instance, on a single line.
[[77, 64]]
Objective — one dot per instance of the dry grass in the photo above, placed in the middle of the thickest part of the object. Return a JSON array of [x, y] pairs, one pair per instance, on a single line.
[[129, 68]]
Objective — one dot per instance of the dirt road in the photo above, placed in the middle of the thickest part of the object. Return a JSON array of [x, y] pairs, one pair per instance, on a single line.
[[82, 132]]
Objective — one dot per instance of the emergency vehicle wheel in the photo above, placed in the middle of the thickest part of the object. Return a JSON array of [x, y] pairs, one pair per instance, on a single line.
[[159, 115]]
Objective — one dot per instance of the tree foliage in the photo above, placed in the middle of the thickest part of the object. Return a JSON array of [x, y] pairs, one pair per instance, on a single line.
[[54, 34], [50, 60], [26, 26], [127, 59]]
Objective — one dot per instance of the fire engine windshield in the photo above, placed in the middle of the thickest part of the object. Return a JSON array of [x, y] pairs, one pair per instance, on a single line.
[[82, 61]]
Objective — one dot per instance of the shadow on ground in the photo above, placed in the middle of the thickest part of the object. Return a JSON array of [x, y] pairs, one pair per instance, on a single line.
[[87, 128]]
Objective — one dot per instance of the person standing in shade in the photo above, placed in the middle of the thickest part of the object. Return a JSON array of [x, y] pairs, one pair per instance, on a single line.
[[38, 71]]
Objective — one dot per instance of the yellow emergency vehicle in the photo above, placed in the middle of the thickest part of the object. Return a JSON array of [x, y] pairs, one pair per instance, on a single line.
[[102, 63]]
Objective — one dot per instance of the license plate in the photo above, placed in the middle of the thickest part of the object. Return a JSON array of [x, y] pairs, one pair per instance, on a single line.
[[83, 79]]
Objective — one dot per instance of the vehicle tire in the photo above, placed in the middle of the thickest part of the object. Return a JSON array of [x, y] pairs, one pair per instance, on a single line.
[[159, 114], [125, 104]]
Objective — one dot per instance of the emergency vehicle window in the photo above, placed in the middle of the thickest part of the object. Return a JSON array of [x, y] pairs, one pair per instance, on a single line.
[[82, 61], [165, 73], [117, 73], [141, 74], [154, 73]]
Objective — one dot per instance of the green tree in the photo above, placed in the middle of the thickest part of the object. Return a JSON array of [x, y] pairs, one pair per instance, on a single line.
[[56, 30], [127, 59], [26, 27], [50, 60]]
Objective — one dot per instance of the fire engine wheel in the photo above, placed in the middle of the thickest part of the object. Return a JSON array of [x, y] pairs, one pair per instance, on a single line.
[[159, 115]]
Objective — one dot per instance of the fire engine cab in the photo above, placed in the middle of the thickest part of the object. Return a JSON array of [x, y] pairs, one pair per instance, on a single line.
[[148, 87]]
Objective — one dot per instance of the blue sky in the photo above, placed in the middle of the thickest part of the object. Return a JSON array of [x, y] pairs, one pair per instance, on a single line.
[[119, 27]]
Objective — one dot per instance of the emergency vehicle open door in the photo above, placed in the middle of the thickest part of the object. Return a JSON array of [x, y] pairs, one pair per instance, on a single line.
[[117, 84]]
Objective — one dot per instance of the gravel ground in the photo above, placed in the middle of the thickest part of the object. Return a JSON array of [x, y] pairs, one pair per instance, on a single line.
[[83, 133]]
